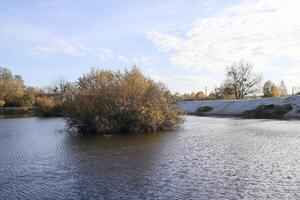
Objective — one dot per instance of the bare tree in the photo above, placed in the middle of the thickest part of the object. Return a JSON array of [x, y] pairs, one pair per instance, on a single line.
[[242, 79], [283, 89]]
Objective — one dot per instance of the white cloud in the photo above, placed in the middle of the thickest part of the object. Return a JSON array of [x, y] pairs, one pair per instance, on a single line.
[[259, 31], [66, 47], [74, 48], [165, 41], [49, 50]]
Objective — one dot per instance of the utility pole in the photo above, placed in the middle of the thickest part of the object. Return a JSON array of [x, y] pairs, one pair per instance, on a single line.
[[205, 92]]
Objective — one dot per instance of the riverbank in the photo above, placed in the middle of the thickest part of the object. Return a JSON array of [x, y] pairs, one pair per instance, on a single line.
[[17, 112], [286, 108]]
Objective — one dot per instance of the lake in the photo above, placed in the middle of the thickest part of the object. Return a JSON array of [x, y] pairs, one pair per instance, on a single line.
[[208, 158]]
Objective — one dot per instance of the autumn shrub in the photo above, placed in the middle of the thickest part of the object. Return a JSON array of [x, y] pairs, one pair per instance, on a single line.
[[47, 105], [2, 103], [106, 101]]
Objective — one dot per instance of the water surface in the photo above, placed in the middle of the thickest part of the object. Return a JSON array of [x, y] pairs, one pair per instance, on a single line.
[[209, 158]]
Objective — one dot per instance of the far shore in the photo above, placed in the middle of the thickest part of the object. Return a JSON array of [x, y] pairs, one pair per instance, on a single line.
[[19, 112], [266, 108], [273, 108]]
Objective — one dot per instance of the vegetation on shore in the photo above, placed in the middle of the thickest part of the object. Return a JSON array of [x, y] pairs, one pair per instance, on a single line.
[[270, 111], [100, 101], [108, 101], [203, 110], [16, 99]]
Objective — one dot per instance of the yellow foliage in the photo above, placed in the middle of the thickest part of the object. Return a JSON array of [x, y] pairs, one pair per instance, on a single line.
[[2, 103], [46, 104], [113, 101], [11, 86], [275, 91], [200, 95]]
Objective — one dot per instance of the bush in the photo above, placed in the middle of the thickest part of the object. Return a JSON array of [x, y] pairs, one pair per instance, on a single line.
[[269, 111], [46, 104], [107, 101], [204, 109]]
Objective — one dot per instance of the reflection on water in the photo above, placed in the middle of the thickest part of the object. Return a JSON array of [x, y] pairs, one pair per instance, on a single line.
[[209, 158]]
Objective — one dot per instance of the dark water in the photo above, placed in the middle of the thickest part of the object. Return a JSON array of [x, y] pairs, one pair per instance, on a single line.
[[210, 158]]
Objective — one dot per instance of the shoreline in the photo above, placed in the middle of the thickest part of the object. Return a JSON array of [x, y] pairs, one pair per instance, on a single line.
[[267, 108]]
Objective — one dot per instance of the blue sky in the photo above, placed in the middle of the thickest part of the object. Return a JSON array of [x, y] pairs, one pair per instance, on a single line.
[[185, 44]]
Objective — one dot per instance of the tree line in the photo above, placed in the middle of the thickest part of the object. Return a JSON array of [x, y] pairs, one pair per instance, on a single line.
[[14, 93], [240, 82]]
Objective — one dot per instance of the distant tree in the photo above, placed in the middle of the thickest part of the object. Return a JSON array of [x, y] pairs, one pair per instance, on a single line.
[[19, 86], [283, 89], [270, 90], [2, 103], [6, 79], [11, 87], [227, 91], [242, 79], [200, 95], [192, 95], [212, 96], [216, 93], [176, 97], [28, 99], [61, 88], [46, 104], [276, 92]]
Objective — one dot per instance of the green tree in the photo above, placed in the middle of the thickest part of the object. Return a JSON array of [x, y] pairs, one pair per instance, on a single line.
[[270, 89]]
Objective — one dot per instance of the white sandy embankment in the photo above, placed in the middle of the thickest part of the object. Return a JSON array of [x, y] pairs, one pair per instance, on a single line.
[[238, 107]]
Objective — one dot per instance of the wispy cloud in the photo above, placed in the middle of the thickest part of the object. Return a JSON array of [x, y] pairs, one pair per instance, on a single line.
[[165, 41], [48, 50], [73, 48], [259, 31]]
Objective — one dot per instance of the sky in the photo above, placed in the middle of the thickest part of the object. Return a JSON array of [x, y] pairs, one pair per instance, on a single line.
[[187, 44]]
